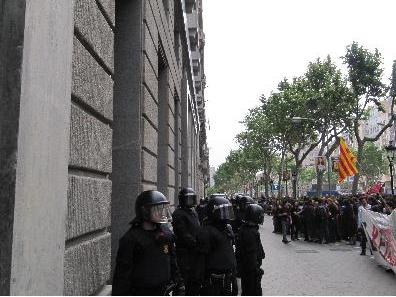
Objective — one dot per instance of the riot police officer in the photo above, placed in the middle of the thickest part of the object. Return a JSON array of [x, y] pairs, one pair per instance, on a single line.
[[186, 226], [201, 210], [252, 251], [242, 202], [216, 260], [146, 262]]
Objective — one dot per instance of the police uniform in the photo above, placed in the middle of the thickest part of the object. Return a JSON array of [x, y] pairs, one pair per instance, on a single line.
[[186, 227], [216, 263], [146, 262], [252, 251]]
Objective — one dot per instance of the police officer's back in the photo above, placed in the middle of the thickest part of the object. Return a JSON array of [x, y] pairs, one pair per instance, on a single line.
[[241, 203], [216, 259], [186, 227], [252, 251], [145, 263], [201, 209]]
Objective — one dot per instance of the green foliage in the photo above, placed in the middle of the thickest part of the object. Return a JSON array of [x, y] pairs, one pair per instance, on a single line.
[[327, 103], [238, 169], [373, 163], [364, 70], [307, 174]]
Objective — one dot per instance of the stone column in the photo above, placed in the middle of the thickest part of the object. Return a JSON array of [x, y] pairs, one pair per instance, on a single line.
[[35, 86], [163, 130], [184, 132], [127, 138]]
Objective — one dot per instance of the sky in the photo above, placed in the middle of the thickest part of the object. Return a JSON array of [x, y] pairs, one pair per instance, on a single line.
[[251, 45]]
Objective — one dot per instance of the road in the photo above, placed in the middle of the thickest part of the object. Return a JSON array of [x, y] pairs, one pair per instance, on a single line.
[[302, 268]]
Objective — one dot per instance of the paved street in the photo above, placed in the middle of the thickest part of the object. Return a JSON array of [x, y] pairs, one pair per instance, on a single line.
[[301, 268]]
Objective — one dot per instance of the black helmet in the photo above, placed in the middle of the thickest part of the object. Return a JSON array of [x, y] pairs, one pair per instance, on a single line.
[[220, 209], [254, 213], [187, 198], [152, 206], [244, 201]]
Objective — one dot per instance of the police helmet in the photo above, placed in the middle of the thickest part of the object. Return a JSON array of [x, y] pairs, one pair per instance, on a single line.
[[220, 209], [187, 198], [244, 201], [152, 206], [254, 213]]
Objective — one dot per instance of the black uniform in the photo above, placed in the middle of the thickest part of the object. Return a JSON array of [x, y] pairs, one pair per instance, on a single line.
[[253, 254], [186, 227], [216, 260], [240, 213], [146, 262], [201, 210], [308, 215]]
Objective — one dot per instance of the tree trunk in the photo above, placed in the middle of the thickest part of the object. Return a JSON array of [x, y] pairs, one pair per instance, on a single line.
[[357, 176], [295, 179], [266, 187], [281, 174], [319, 182]]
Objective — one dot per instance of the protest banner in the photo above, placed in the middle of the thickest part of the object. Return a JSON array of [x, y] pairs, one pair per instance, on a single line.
[[380, 230]]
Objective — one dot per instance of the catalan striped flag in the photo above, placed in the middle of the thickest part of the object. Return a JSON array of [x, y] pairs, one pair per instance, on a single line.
[[347, 162]]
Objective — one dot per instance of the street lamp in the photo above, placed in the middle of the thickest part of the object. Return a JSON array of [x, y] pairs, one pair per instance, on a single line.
[[390, 154]]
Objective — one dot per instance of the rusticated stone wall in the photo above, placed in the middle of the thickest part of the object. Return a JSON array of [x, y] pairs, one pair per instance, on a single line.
[[88, 239]]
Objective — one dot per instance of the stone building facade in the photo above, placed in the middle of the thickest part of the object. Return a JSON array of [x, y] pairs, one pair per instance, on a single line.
[[101, 99]]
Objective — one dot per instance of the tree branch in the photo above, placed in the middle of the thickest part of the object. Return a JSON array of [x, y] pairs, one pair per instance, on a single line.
[[384, 128]]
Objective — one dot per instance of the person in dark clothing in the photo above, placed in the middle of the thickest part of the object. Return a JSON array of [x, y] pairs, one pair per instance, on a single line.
[[295, 221], [284, 215], [308, 214], [333, 217], [241, 204], [201, 209], [146, 261], [252, 251], [216, 263], [323, 216], [186, 227], [236, 224], [349, 225]]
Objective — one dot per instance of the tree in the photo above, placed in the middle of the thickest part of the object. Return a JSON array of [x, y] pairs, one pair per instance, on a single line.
[[238, 169], [372, 165], [258, 141], [365, 77], [329, 106]]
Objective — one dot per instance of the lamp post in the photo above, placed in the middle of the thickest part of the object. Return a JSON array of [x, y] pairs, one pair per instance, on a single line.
[[390, 154]]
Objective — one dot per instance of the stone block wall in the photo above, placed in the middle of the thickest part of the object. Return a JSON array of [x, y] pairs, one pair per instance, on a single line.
[[161, 88], [88, 240], [112, 115]]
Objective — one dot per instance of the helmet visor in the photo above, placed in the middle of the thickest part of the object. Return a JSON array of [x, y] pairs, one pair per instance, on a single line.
[[160, 213], [191, 200], [225, 211]]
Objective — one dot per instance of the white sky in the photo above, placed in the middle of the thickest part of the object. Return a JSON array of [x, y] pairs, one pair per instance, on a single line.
[[251, 45]]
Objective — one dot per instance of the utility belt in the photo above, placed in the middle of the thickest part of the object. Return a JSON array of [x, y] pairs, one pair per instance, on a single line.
[[222, 279], [222, 283]]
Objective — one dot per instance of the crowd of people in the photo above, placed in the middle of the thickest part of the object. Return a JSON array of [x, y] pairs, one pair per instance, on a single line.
[[209, 246], [325, 220]]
